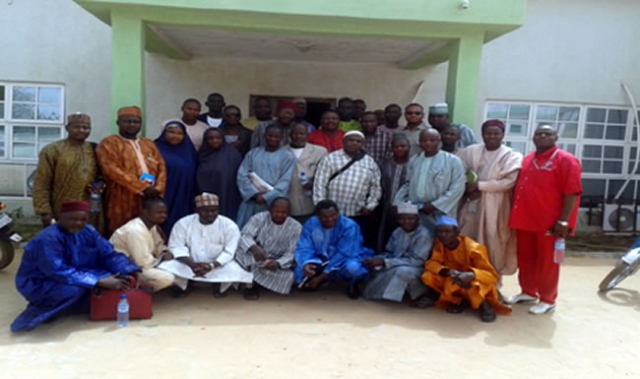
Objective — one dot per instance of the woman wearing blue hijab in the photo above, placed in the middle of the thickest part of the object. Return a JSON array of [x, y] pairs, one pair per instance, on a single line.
[[181, 160]]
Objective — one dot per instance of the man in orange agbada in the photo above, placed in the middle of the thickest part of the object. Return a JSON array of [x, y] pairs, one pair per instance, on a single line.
[[460, 271], [133, 168]]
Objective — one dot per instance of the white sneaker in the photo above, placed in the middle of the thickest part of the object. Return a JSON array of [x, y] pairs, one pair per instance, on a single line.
[[520, 298], [542, 308]]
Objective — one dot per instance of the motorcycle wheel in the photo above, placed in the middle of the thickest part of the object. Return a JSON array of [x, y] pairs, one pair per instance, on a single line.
[[6, 253], [618, 274]]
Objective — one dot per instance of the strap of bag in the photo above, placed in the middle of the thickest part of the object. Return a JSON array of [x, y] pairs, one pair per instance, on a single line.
[[346, 167]]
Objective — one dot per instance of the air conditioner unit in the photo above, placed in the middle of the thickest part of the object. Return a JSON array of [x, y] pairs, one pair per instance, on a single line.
[[620, 218]]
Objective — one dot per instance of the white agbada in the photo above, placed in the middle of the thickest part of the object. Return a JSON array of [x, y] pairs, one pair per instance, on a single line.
[[216, 242]]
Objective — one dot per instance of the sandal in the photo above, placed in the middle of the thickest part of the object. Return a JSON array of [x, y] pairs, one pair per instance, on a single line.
[[487, 313], [216, 292], [252, 293]]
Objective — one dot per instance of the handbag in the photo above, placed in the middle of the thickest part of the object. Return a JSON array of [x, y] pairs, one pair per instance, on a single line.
[[104, 302]]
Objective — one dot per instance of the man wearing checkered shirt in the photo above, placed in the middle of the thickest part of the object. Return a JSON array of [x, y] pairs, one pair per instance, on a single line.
[[357, 189]]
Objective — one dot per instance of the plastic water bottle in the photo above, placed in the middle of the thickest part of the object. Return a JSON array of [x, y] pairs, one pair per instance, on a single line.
[[473, 206], [123, 311], [304, 181], [95, 201], [558, 251]]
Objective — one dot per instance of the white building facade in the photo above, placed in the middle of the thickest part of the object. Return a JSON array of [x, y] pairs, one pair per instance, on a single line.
[[564, 67]]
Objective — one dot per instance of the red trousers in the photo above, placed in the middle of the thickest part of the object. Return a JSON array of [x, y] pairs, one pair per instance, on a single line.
[[537, 273]]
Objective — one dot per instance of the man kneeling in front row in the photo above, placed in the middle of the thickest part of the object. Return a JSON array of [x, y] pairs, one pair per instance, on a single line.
[[460, 271], [397, 270], [329, 250], [63, 263]]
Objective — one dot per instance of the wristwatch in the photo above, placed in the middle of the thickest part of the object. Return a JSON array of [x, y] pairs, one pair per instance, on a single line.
[[563, 223]]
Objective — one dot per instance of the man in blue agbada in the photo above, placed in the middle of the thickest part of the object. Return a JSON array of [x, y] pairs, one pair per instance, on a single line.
[[329, 250], [63, 263]]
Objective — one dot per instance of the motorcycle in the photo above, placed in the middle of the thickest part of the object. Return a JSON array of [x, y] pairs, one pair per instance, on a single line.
[[7, 238], [624, 268]]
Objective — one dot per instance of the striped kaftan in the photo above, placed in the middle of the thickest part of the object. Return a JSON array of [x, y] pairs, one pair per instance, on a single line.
[[278, 241]]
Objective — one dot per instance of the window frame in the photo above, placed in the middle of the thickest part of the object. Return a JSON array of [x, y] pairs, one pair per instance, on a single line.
[[9, 122]]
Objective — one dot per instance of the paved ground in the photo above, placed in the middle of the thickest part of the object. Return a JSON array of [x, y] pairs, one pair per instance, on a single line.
[[326, 335]]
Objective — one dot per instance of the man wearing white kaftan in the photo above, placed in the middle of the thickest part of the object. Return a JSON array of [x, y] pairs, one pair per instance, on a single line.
[[143, 246], [485, 217], [278, 242], [435, 181], [204, 246]]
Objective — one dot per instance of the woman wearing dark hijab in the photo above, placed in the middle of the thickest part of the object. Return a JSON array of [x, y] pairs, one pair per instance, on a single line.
[[218, 164], [180, 158]]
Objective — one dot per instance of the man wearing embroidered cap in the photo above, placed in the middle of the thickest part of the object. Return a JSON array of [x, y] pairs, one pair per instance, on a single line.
[[67, 170], [460, 271], [351, 179], [484, 215], [439, 119], [397, 270], [63, 263], [204, 246], [132, 166]]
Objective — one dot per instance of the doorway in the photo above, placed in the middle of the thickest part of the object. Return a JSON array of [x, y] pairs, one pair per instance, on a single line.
[[315, 105]]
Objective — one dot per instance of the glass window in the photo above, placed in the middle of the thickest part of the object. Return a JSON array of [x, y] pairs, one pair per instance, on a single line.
[[617, 116], [27, 94], [589, 165], [596, 114], [497, 111], [568, 130], [517, 128], [546, 112], [519, 112], [23, 111], [37, 103], [592, 151]]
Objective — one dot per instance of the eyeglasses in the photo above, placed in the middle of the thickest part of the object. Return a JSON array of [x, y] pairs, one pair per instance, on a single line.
[[413, 113]]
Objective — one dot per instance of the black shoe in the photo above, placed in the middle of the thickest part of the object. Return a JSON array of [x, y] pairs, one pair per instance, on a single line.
[[354, 291]]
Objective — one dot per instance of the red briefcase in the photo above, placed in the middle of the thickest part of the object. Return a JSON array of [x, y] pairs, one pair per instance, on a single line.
[[104, 303]]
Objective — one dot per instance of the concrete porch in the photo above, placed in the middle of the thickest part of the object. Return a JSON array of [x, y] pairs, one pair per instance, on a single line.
[[411, 34]]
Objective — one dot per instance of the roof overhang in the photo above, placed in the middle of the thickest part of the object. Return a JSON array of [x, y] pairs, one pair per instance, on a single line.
[[411, 35]]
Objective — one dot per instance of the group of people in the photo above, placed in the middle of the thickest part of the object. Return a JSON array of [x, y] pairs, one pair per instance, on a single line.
[[420, 211]]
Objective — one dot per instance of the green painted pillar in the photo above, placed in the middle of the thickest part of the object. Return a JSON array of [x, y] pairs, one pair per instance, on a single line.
[[127, 61], [463, 79]]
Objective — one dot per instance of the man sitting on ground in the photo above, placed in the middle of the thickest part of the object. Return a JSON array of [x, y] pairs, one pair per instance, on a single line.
[[267, 247], [397, 270], [204, 245], [460, 271], [140, 241], [330, 249], [63, 263]]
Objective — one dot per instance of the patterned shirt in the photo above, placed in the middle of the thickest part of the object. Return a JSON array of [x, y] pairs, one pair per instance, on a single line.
[[378, 145], [356, 188]]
